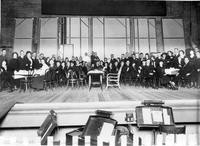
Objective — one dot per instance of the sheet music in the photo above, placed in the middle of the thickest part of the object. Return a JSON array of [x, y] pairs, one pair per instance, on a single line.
[[157, 116], [106, 131], [146, 113], [166, 117]]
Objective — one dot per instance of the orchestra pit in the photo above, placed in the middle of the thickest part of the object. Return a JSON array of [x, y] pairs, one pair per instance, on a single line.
[[94, 72]]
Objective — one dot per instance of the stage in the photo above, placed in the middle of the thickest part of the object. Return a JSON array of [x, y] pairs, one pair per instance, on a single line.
[[83, 94]]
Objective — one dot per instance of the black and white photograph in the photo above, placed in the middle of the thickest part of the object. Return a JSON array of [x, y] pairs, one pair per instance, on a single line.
[[99, 73]]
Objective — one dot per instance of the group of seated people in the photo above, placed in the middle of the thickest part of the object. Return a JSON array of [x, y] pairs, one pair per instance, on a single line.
[[166, 69]]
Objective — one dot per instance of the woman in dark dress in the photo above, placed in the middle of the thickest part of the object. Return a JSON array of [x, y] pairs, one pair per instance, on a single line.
[[13, 64], [36, 63], [28, 62]]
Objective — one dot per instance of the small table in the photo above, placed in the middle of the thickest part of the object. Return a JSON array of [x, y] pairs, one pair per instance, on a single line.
[[23, 75], [172, 71], [98, 73]]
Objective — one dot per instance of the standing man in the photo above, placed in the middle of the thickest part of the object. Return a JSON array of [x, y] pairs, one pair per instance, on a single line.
[[3, 56]]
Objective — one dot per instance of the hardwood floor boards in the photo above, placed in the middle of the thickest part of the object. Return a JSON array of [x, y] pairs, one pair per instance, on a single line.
[[126, 93]]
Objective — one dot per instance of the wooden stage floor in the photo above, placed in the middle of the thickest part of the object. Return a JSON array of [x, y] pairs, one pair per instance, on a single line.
[[126, 93]]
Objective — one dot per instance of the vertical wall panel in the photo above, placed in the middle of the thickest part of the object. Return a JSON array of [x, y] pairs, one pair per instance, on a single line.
[[172, 28], [173, 34], [48, 27], [98, 47], [114, 28], [143, 27], [48, 47], [23, 28], [75, 27], [115, 46], [23, 35], [76, 51]]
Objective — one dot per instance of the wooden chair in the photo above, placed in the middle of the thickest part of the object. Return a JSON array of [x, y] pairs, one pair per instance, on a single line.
[[47, 80], [113, 79], [82, 79], [73, 79]]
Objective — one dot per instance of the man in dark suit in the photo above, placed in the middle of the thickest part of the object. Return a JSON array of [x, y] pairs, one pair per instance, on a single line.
[[134, 73], [3, 56], [112, 59], [127, 72], [21, 60], [36, 63], [185, 74]]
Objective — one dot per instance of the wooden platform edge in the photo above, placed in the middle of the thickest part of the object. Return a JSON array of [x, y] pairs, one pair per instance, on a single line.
[[76, 114]]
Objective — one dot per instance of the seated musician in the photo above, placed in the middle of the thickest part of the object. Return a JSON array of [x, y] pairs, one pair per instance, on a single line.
[[101, 64], [51, 74], [162, 78], [85, 68], [98, 66], [127, 72], [36, 63], [150, 79], [169, 59], [21, 61], [106, 69], [78, 69], [39, 76], [185, 73], [93, 66], [58, 70], [179, 60], [192, 60], [143, 73], [13, 64], [164, 59], [72, 71], [67, 66], [42, 70], [63, 72], [115, 68], [123, 70], [134, 73], [6, 79]]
